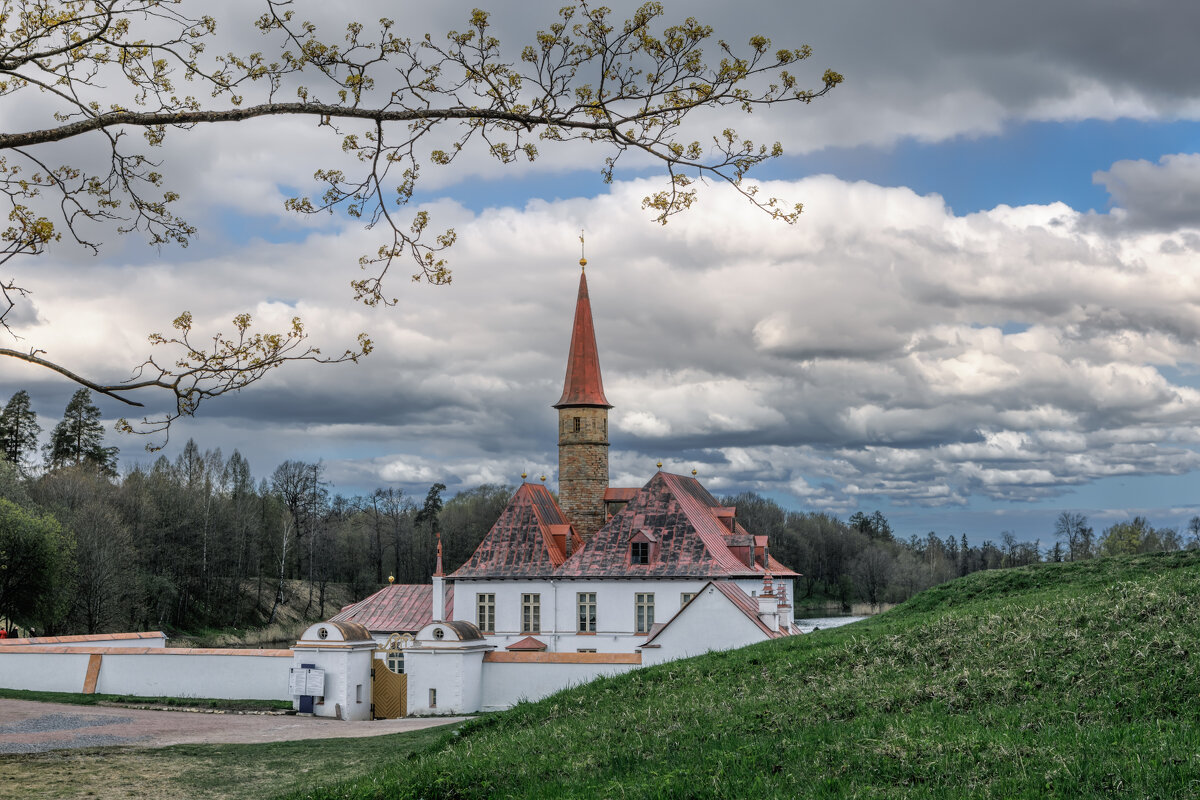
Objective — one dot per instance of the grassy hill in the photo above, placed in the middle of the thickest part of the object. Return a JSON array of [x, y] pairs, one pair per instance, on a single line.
[[1059, 680]]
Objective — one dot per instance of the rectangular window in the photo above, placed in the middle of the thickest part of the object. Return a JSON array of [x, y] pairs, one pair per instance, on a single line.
[[433, 698], [531, 613], [577, 424], [639, 553], [643, 611], [586, 602], [684, 597], [586, 650], [485, 612]]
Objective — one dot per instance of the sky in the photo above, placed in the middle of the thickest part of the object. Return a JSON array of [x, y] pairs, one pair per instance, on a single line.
[[988, 313]]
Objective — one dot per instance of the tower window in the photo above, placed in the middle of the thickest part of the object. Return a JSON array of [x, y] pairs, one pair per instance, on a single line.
[[639, 553], [578, 424]]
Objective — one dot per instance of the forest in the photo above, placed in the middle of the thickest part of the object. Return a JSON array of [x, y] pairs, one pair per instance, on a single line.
[[200, 542]]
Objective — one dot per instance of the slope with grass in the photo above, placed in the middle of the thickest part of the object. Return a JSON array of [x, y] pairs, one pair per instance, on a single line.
[[1059, 680]]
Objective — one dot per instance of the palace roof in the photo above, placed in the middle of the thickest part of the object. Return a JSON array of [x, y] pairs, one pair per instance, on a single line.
[[685, 531], [398, 608], [527, 541]]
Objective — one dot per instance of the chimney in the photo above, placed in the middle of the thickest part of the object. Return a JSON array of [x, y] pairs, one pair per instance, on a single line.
[[768, 604], [439, 587]]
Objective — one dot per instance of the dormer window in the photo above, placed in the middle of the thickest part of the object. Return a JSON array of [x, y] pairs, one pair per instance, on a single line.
[[643, 548]]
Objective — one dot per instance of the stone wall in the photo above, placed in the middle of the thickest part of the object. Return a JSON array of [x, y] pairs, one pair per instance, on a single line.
[[583, 466]]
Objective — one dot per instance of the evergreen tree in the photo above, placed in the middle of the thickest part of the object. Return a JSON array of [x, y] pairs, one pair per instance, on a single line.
[[79, 438], [19, 430]]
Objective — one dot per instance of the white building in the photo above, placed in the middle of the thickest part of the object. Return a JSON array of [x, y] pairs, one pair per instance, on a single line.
[[602, 581]]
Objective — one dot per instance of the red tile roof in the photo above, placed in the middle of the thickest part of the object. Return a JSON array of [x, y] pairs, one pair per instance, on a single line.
[[680, 515], [583, 386], [528, 643], [397, 608], [523, 542]]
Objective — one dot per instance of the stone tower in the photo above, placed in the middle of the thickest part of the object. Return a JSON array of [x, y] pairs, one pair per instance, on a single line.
[[583, 426]]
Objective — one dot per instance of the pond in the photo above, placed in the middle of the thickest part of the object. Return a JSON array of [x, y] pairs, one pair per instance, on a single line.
[[811, 624]]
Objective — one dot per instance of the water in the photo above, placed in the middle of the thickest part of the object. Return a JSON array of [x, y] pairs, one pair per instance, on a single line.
[[824, 623]]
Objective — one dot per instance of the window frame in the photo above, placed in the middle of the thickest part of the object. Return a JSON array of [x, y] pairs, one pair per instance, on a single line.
[[531, 612], [639, 553], [643, 612], [585, 601], [485, 605]]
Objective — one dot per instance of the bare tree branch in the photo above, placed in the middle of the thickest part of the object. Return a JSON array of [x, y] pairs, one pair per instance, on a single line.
[[113, 67]]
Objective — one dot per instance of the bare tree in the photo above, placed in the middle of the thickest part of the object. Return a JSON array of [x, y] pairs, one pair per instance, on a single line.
[[1071, 527], [395, 104]]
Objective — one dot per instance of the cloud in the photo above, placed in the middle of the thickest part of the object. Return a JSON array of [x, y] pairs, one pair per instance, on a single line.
[[1162, 197], [883, 347]]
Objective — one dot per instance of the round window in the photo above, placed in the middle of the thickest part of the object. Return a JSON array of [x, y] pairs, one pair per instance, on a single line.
[[438, 633], [322, 633]]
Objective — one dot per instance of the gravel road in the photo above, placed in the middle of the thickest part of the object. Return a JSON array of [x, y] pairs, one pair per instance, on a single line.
[[29, 727]]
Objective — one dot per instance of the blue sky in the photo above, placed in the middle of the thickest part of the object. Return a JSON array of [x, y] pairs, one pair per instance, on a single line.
[[988, 313]]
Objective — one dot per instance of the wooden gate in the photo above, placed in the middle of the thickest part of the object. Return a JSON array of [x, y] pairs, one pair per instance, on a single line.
[[389, 684]]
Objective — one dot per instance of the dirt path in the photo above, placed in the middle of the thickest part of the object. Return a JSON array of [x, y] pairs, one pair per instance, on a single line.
[[31, 727]]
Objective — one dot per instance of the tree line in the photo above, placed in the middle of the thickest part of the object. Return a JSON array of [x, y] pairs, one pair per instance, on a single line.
[[861, 559], [199, 541]]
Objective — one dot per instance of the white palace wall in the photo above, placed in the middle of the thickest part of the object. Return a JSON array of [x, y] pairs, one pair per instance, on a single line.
[[148, 671]]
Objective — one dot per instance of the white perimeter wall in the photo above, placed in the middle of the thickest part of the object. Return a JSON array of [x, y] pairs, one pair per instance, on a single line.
[[505, 685], [155, 639], [151, 672], [43, 672]]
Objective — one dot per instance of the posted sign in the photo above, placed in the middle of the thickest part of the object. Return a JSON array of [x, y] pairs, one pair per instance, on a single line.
[[307, 681]]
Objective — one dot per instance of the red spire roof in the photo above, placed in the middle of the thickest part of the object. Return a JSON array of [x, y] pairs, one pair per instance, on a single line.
[[583, 386]]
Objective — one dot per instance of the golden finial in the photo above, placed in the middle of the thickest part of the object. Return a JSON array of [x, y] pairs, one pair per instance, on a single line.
[[660, 465], [693, 472], [391, 579], [524, 475], [543, 478], [582, 260]]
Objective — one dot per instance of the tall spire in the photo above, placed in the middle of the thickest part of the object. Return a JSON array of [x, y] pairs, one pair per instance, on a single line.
[[583, 386], [583, 426]]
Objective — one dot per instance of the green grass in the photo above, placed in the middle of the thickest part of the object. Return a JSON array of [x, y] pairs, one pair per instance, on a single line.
[[1071, 680], [123, 699], [201, 772]]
